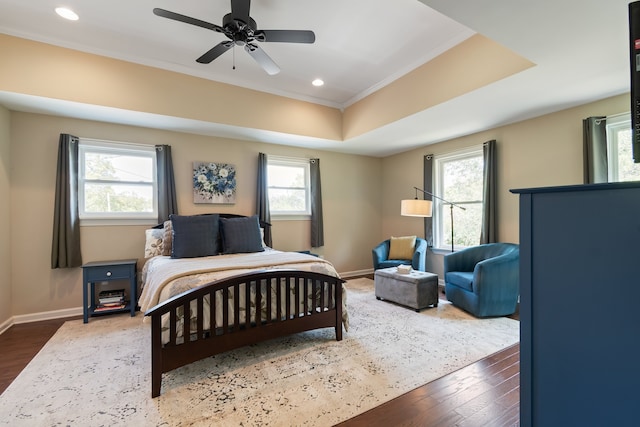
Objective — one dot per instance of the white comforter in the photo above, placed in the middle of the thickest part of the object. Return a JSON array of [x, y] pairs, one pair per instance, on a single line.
[[164, 277]]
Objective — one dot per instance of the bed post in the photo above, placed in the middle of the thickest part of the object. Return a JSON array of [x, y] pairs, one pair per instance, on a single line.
[[156, 355], [338, 303]]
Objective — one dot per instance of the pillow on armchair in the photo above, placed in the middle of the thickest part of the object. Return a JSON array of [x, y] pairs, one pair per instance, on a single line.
[[404, 250], [402, 247]]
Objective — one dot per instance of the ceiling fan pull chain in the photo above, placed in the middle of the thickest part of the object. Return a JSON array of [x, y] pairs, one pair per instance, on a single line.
[[234, 55]]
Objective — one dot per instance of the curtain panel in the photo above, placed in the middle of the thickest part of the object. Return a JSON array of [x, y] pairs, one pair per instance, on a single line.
[[167, 200], [65, 247], [427, 185], [317, 225], [489, 233], [262, 202], [594, 130]]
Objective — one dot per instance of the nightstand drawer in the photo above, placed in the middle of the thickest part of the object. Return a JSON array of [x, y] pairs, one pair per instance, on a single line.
[[109, 272]]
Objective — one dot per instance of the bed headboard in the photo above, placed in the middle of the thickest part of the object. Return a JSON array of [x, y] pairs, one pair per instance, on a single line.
[[263, 224]]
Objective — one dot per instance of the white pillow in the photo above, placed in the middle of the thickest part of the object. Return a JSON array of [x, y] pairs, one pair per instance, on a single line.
[[153, 242]]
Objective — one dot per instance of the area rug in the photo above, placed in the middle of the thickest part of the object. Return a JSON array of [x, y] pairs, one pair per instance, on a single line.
[[98, 374]]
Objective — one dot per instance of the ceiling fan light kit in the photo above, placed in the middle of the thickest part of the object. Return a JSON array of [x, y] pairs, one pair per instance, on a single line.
[[242, 30]]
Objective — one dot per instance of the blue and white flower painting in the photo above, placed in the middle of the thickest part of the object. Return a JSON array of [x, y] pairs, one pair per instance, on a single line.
[[214, 183]]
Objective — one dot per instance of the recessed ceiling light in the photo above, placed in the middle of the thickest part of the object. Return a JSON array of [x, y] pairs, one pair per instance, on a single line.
[[317, 82], [67, 13]]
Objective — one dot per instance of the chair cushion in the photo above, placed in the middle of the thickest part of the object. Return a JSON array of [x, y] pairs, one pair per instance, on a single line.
[[461, 279], [402, 247]]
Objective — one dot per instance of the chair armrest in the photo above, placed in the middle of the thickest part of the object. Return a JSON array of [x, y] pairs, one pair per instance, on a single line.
[[419, 261], [380, 253]]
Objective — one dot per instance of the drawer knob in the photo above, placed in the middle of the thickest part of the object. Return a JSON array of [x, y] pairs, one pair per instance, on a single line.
[[108, 274]]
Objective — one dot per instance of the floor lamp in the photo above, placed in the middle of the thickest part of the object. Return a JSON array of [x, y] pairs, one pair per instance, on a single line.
[[422, 208]]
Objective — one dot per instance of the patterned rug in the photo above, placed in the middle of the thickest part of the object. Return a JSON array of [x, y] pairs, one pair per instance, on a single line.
[[98, 374]]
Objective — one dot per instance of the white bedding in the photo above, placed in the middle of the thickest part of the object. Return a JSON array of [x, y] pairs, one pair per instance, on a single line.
[[164, 277]]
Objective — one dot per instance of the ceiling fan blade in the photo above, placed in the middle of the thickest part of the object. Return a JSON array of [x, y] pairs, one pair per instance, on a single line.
[[187, 19], [214, 52], [240, 10], [262, 58], [285, 36]]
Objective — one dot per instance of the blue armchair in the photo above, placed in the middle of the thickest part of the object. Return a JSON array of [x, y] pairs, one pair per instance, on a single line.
[[381, 256], [484, 279]]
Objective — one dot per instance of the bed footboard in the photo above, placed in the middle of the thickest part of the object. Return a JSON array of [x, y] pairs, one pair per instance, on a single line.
[[216, 317]]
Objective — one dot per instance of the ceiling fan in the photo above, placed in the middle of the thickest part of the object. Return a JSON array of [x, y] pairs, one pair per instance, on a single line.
[[242, 30]]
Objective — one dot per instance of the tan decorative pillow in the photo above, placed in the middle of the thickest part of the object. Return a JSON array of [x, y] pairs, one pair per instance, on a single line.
[[153, 242], [167, 240], [402, 247]]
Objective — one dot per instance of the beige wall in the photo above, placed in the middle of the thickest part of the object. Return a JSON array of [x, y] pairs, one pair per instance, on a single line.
[[5, 216], [39, 69], [361, 195], [545, 151], [350, 193]]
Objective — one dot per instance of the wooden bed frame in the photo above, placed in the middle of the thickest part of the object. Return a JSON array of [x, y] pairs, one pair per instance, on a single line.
[[198, 343]]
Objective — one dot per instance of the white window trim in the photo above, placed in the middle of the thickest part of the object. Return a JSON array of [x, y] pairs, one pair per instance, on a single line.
[[438, 238], [300, 162], [105, 219], [614, 124]]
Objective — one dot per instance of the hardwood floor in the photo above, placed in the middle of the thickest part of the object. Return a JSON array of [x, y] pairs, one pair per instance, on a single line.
[[20, 343], [485, 393]]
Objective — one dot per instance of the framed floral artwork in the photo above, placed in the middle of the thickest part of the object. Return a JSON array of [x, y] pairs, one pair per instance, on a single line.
[[214, 182]]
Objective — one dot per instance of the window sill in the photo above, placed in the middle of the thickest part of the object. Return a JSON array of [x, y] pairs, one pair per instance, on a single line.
[[290, 217], [440, 251], [117, 222]]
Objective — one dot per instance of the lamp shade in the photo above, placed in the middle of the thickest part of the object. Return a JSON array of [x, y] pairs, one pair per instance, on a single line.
[[415, 207]]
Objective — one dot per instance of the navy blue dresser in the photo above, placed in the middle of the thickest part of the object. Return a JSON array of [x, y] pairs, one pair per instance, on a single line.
[[580, 305]]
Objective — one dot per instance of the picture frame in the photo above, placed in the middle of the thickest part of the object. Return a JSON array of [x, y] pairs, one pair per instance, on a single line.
[[214, 182]]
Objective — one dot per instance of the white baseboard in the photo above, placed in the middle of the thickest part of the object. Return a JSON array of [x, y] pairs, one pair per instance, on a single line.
[[348, 274], [6, 325], [46, 315]]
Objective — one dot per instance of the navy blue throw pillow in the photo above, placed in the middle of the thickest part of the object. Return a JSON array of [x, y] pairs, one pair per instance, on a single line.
[[241, 235], [194, 236]]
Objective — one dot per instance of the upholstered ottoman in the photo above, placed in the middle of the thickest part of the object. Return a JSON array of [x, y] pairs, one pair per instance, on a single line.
[[417, 289]]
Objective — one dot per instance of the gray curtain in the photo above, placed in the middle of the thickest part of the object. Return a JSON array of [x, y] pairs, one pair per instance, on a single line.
[[489, 233], [167, 200], [262, 203], [594, 130], [427, 185], [317, 226], [65, 248]]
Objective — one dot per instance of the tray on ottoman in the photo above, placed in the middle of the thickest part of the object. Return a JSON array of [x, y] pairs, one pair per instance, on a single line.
[[418, 289]]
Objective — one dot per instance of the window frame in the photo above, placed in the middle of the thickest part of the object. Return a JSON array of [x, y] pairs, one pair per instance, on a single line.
[[441, 208], [615, 124], [88, 145], [291, 162]]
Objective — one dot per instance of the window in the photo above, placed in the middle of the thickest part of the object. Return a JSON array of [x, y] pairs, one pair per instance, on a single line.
[[458, 179], [116, 181], [619, 151], [289, 188]]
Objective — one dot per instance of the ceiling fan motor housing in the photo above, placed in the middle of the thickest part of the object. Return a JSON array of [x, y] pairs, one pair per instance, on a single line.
[[237, 30]]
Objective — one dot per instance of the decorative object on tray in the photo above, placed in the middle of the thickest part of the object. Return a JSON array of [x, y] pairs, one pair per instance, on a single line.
[[404, 269], [214, 182]]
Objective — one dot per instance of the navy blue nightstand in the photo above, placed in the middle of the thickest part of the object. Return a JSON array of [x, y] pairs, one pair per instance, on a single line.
[[103, 271]]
